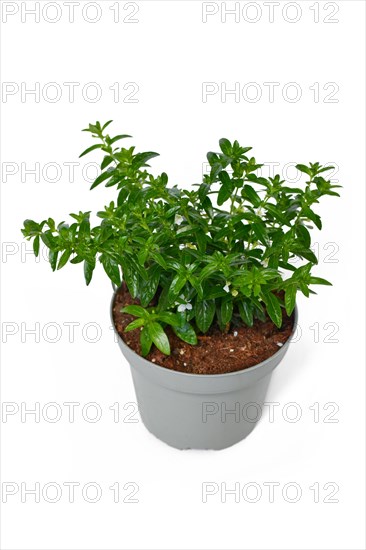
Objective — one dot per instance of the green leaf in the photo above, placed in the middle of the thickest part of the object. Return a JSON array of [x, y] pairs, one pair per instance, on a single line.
[[201, 240], [259, 310], [141, 159], [225, 146], [163, 299], [150, 286], [176, 286], [135, 310], [130, 275], [269, 274], [325, 169], [226, 310], [114, 180], [290, 298], [77, 260], [246, 312], [142, 256], [203, 191], [308, 213], [49, 240], [307, 254], [137, 323], [36, 246], [291, 190], [159, 337], [145, 341], [106, 162], [117, 138], [159, 259], [84, 229], [102, 177], [260, 231], [208, 270], [112, 269], [304, 169], [273, 308], [196, 285], [53, 254], [88, 271], [92, 148], [169, 318], [212, 158], [64, 259], [319, 281], [272, 209], [225, 179], [186, 333], [106, 124], [122, 196], [251, 195], [255, 179], [304, 289], [31, 228], [205, 313], [224, 194], [304, 235]]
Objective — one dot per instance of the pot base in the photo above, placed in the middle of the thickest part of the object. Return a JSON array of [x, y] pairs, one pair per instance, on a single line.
[[195, 421]]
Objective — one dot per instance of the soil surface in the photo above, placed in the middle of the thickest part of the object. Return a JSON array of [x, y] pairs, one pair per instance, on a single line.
[[216, 352]]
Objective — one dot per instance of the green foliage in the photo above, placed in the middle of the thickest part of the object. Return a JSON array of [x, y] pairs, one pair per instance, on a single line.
[[220, 251]]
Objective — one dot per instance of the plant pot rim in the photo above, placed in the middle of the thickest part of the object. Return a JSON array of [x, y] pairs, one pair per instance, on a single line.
[[159, 368]]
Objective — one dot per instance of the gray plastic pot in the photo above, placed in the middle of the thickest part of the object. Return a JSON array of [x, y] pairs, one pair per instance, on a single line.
[[198, 411]]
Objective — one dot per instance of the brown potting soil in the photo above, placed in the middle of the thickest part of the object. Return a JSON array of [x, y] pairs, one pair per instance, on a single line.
[[216, 352]]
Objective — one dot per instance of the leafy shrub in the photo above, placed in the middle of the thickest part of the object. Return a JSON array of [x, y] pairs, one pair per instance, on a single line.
[[224, 248]]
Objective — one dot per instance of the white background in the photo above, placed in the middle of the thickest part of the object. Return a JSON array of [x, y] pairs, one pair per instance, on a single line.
[[169, 53]]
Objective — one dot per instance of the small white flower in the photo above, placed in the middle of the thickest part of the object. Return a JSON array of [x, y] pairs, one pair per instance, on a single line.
[[178, 220], [181, 246], [183, 307], [226, 287], [259, 211]]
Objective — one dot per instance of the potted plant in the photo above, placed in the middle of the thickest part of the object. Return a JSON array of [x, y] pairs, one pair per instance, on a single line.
[[205, 281]]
